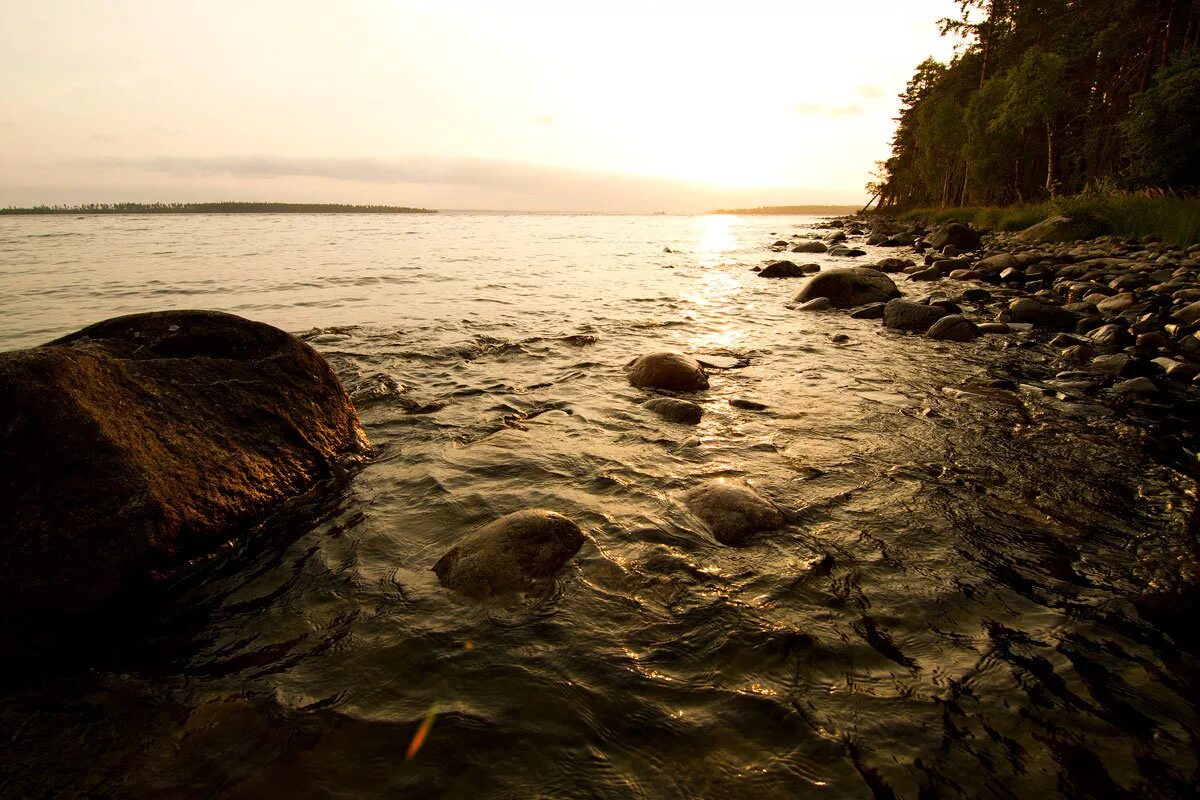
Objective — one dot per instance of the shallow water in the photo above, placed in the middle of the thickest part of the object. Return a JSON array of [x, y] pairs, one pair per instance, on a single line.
[[950, 611]]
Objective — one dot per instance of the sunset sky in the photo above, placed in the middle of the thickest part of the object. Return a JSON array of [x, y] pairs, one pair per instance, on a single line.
[[553, 105]]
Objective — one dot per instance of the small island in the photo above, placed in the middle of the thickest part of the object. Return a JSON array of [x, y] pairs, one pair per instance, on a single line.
[[217, 208]]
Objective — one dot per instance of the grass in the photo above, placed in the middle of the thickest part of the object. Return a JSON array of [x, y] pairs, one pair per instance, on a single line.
[[1171, 219]]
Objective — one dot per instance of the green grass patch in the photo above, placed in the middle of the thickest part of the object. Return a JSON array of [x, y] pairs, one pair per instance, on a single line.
[[1173, 220]]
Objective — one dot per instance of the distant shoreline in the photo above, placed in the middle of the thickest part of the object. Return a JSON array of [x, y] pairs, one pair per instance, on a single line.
[[215, 208], [816, 209]]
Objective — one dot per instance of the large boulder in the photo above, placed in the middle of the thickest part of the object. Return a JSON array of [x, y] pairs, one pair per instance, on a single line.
[[515, 553], [905, 315], [810, 247], [138, 445], [1059, 229], [849, 287], [671, 371], [956, 235]]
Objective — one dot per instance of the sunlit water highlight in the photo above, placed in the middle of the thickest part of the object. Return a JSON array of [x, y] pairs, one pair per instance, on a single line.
[[948, 613]]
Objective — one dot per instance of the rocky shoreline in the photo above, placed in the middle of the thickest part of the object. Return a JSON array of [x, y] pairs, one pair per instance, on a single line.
[[1105, 320], [1114, 315]]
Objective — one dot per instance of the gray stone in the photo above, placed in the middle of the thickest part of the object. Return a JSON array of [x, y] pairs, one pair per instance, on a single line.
[[997, 263], [816, 304], [908, 316], [1042, 315], [953, 328], [1111, 306], [781, 269], [956, 234], [849, 286], [869, 311], [892, 264], [517, 552], [732, 510], [810, 247], [1057, 230], [671, 371], [1189, 314], [1110, 336], [1113, 364], [1137, 386], [674, 410]]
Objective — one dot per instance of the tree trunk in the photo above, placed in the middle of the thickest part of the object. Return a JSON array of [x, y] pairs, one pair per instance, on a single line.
[[1049, 160]]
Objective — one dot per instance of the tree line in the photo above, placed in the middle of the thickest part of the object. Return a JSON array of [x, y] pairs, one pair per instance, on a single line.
[[216, 208], [1051, 97]]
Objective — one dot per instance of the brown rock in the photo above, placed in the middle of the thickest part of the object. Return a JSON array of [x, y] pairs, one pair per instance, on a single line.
[[849, 287], [671, 371], [517, 552], [674, 410], [733, 511], [140, 443]]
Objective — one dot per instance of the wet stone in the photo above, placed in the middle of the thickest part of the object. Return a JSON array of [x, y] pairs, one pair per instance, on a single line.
[[733, 511], [515, 553], [953, 328], [905, 315], [667, 370], [675, 410]]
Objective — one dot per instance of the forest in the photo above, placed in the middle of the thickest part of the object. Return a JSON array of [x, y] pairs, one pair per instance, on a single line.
[[216, 208], [1051, 98]]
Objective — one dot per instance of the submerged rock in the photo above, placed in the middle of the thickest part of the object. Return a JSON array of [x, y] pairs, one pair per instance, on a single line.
[[671, 371], [849, 287], [669, 408], [733, 511], [141, 443], [514, 553]]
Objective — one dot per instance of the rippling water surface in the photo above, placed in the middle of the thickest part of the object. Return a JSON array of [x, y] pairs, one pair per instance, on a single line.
[[949, 613]]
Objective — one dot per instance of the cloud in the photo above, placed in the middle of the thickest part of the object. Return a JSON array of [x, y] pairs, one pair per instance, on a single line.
[[832, 112], [544, 119], [870, 91], [453, 182]]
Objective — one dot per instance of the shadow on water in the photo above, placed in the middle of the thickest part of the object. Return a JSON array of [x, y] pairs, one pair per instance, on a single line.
[[980, 592]]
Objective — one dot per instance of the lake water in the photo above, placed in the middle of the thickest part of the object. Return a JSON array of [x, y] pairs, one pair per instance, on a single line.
[[949, 613]]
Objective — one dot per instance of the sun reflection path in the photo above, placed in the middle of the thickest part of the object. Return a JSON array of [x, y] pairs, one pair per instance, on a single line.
[[714, 293], [716, 238]]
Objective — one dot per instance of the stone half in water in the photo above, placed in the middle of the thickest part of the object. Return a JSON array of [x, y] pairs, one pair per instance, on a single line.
[[139, 444], [515, 553], [674, 410], [671, 371], [849, 287], [732, 510]]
